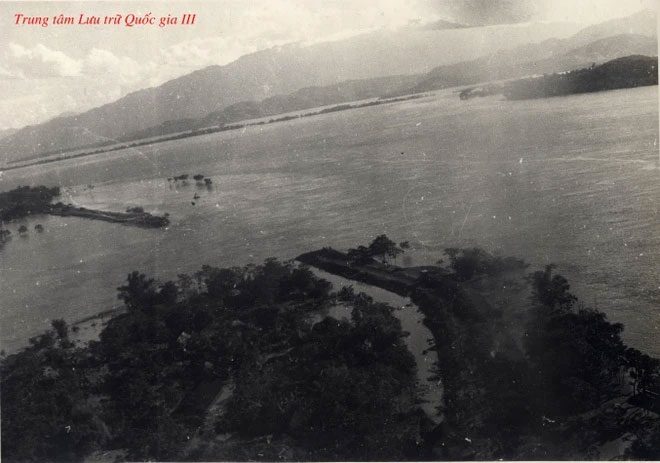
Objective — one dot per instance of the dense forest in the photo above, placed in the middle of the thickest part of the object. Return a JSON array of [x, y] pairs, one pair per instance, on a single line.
[[626, 72], [25, 200], [311, 389], [245, 364]]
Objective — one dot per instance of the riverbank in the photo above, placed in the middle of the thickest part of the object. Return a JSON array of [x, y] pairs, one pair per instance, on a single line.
[[481, 333], [438, 297], [418, 338], [89, 328], [398, 280]]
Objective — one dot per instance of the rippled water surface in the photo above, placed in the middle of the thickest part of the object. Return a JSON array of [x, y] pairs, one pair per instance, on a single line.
[[574, 181]]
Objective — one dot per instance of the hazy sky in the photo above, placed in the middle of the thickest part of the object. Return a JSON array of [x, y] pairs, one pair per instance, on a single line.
[[45, 71]]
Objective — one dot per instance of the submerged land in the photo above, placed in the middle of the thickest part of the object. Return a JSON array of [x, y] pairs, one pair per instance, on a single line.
[[246, 364], [25, 201], [273, 362]]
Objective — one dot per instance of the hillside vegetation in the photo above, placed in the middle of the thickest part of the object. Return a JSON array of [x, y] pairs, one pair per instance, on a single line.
[[626, 72]]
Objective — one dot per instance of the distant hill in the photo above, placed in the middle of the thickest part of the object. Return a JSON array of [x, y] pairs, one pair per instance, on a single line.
[[459, 74], [224, 93], [616, 46], [6, 132], [310, 97], [626, 72], [549, 56], [504, 65], [636, 34], [644, 23], [442, 24], [276, 71]]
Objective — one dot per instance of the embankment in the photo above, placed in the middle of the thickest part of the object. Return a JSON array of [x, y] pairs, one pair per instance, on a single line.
[[462, 325], [136, 218]]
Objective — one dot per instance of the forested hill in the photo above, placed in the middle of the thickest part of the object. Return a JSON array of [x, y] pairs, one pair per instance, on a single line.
[[627, 72]]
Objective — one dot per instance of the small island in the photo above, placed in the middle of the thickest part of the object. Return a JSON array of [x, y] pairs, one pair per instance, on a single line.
[[25, 201]]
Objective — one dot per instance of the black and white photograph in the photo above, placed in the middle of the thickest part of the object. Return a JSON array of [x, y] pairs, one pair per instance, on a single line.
[[329, 230]]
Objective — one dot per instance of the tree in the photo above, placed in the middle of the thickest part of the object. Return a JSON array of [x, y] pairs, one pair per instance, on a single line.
[[466, 263], [61, 329], [25, 200], [168, 292], [360, 255], [139, 293], [346, 293], [551, 290], [646, 446], [220, 283], [46, 415], [578, 353], [384, 247], [643, 370]]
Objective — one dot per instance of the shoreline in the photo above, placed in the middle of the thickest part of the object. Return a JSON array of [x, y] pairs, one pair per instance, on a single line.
[[471, 324], [418, 339], [89, 328], [99, 316], [205, 131], [402, 281]]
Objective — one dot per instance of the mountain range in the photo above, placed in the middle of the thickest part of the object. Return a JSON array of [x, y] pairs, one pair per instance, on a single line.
[[293, 77], [555, 56], [633, 35]]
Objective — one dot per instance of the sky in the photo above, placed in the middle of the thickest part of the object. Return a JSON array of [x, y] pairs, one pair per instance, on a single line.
[[47, 71]]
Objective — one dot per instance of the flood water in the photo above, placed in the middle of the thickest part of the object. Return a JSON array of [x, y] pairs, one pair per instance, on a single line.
[[418, 340], [573, 181]]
